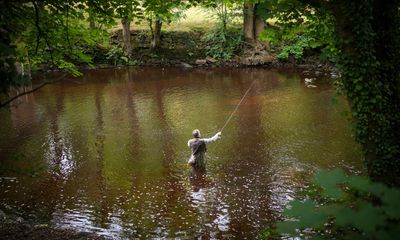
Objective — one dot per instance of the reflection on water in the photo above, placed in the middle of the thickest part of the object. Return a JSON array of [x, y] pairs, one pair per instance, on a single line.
[[107, 153]]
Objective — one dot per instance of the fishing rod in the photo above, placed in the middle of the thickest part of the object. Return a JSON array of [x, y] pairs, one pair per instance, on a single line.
[[237, 106]]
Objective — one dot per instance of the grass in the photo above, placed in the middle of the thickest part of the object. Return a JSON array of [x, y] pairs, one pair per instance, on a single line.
[[193, 18]]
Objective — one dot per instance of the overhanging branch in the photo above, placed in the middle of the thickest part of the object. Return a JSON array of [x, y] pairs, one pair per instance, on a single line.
[[34, 89]]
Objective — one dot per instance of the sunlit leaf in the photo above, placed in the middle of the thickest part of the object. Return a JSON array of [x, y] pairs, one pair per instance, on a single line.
[[316, 238], [368, 218], [333, 192], [344, 216], [353, 236], [287, 227], [330, 178], [359, 183], [393, 230], [314, 220], [307, 213], [391, 203], [377, 189], [299, 209], [385, 235]]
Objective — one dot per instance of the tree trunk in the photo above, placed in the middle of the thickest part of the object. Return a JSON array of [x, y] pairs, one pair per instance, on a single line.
[[40, 5], [126, 35], [155, 42], [253, 25], [369, 40], [92, 17], [248, 23], [92, 24], [386, 25], [259, 26]]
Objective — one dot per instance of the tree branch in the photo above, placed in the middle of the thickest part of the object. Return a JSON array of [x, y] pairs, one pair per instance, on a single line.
[[318, 3], [67, 28], [40, 32], [37, 20], [30, 91]]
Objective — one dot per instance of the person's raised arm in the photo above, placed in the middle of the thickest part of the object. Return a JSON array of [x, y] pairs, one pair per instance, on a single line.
[[212, 139]]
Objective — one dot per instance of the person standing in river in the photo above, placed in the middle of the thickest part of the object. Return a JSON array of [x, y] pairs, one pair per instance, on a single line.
[[198, 146]]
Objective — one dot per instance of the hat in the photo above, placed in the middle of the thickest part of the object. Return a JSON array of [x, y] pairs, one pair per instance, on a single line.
[[196, 133]]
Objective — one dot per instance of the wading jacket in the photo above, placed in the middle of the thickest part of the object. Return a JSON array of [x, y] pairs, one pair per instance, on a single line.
[[199, 148]]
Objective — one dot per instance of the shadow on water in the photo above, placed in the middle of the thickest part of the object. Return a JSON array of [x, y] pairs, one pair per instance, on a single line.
[[107, 152]]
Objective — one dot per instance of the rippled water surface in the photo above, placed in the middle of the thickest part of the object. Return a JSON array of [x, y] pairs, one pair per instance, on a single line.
[[107, 152]]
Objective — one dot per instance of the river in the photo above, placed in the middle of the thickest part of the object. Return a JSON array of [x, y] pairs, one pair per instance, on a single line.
[[107, 152]]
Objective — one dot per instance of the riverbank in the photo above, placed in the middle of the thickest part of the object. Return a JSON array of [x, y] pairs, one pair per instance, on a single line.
[[310, 67], [187, 49]]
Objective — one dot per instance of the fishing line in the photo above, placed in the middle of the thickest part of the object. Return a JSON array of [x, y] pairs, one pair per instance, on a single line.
[[237, 106]]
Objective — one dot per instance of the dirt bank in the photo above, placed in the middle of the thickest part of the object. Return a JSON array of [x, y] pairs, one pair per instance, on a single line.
[[187, 50]]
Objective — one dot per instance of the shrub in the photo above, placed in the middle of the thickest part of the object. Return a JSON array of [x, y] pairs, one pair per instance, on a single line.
[[293, 34], [116, 56], [344, 207], [223, 43]]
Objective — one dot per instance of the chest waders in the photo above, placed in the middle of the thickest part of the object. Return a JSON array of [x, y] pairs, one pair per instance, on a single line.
[[199, 148]]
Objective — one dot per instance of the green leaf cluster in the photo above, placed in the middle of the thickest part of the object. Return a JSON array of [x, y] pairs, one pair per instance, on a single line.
[[115, 55], [298, 28], [345, 207], [370, 79], [61, 41], [222, 43], [363, 39]]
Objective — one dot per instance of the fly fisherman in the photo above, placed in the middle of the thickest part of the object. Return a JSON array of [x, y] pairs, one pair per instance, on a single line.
[[199, 148]]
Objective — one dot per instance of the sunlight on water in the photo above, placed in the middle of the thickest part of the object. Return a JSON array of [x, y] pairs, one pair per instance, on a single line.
[[107, 152]]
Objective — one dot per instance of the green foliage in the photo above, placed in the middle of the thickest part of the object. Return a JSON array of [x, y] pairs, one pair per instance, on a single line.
[[49, 34], [223, 44], [11, 23], [370, 79], [67, 42], [297, 48], [344, 207], [116, 56], [225, 11], [165, 10], [298, 30], [355, 35], [268, 234]]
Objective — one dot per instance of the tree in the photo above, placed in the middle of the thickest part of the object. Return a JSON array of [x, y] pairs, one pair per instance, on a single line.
[[159, 11], [10, 25], [47, 34], [126, 35], [368, 37], [126, 10], [298, 28], [342, 207], [253, 23], [224, 41]]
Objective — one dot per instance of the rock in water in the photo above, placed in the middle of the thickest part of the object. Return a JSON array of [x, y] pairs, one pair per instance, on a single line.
[[309, 80], [186, 65], [2, 215], [211, 60], [201, 62]]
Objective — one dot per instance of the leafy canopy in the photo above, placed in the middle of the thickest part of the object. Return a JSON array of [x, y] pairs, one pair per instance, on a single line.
[[345, 207]]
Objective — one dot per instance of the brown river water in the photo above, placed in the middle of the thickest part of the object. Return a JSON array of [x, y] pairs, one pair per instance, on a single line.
[[107, 152]]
